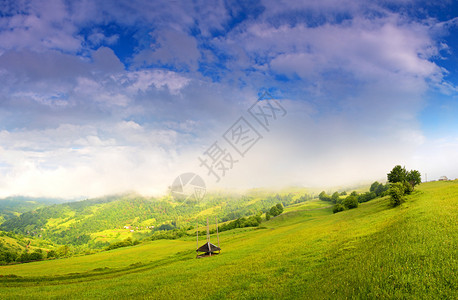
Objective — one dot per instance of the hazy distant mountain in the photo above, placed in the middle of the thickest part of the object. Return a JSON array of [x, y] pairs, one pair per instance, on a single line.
[[14, 206]]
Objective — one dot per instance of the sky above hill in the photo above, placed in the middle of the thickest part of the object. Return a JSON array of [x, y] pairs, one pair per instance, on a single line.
[[101, 97]]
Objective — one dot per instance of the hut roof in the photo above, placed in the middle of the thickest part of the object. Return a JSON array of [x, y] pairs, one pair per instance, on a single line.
[[208, 247]]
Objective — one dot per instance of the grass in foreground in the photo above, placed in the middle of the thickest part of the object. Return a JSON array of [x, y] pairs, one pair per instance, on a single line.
[[371, 252]]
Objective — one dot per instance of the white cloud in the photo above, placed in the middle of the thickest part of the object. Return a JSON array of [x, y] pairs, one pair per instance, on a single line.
[[142, 80], [172, 48], [97, 38], [81, 121], [74, 161], [43, 25], [366, 48]]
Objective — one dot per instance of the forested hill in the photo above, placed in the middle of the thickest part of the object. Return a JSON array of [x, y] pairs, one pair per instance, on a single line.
[[14, 206], [97, 222]]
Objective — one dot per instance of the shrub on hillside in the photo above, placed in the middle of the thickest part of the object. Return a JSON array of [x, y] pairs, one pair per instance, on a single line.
[[350, 202], [7, 256], [396, 193], [338, 208], [166, 235], [36, 255], [367, 196], [324, 197], [251, 221], [124, 243], [275, 210], [51, 254], [408, 188], [64, 251], [24, 257]]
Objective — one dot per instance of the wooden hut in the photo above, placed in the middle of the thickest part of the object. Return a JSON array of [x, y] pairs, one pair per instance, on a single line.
[[208, 249]]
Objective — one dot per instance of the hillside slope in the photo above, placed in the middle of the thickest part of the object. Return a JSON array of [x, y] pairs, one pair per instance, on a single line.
[[14, 206], [95, 223], [12, 245], [373, 251]]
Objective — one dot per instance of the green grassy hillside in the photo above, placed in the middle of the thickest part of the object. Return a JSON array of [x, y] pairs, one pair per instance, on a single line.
[[12, 245], [95, 223], [374, 251]]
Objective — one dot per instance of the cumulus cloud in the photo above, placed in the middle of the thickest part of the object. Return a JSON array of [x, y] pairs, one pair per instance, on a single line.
[[82, 161], [142, 80], [40, 26], [102, 97], [97, 37], [171, 48]]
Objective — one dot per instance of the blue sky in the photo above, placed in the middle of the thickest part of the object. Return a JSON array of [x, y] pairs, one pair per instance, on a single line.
[[100, 97]]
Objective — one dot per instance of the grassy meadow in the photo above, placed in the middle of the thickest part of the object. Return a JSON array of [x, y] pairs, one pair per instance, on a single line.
[[374, 251]]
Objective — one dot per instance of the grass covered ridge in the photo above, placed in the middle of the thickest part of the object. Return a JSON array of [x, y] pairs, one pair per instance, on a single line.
[[307, 252]]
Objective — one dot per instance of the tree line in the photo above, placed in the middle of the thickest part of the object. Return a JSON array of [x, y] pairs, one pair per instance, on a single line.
[[8, 255], [342, 201], [242, 222], [400, 183]]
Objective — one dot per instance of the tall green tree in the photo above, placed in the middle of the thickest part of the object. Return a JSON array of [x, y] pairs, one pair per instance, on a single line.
[[414, 177], [381, 189], [408, 179], [335, 197], [398, 174], [374, 186]]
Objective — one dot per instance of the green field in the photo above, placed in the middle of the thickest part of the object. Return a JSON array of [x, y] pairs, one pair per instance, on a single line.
[[374, 251]]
